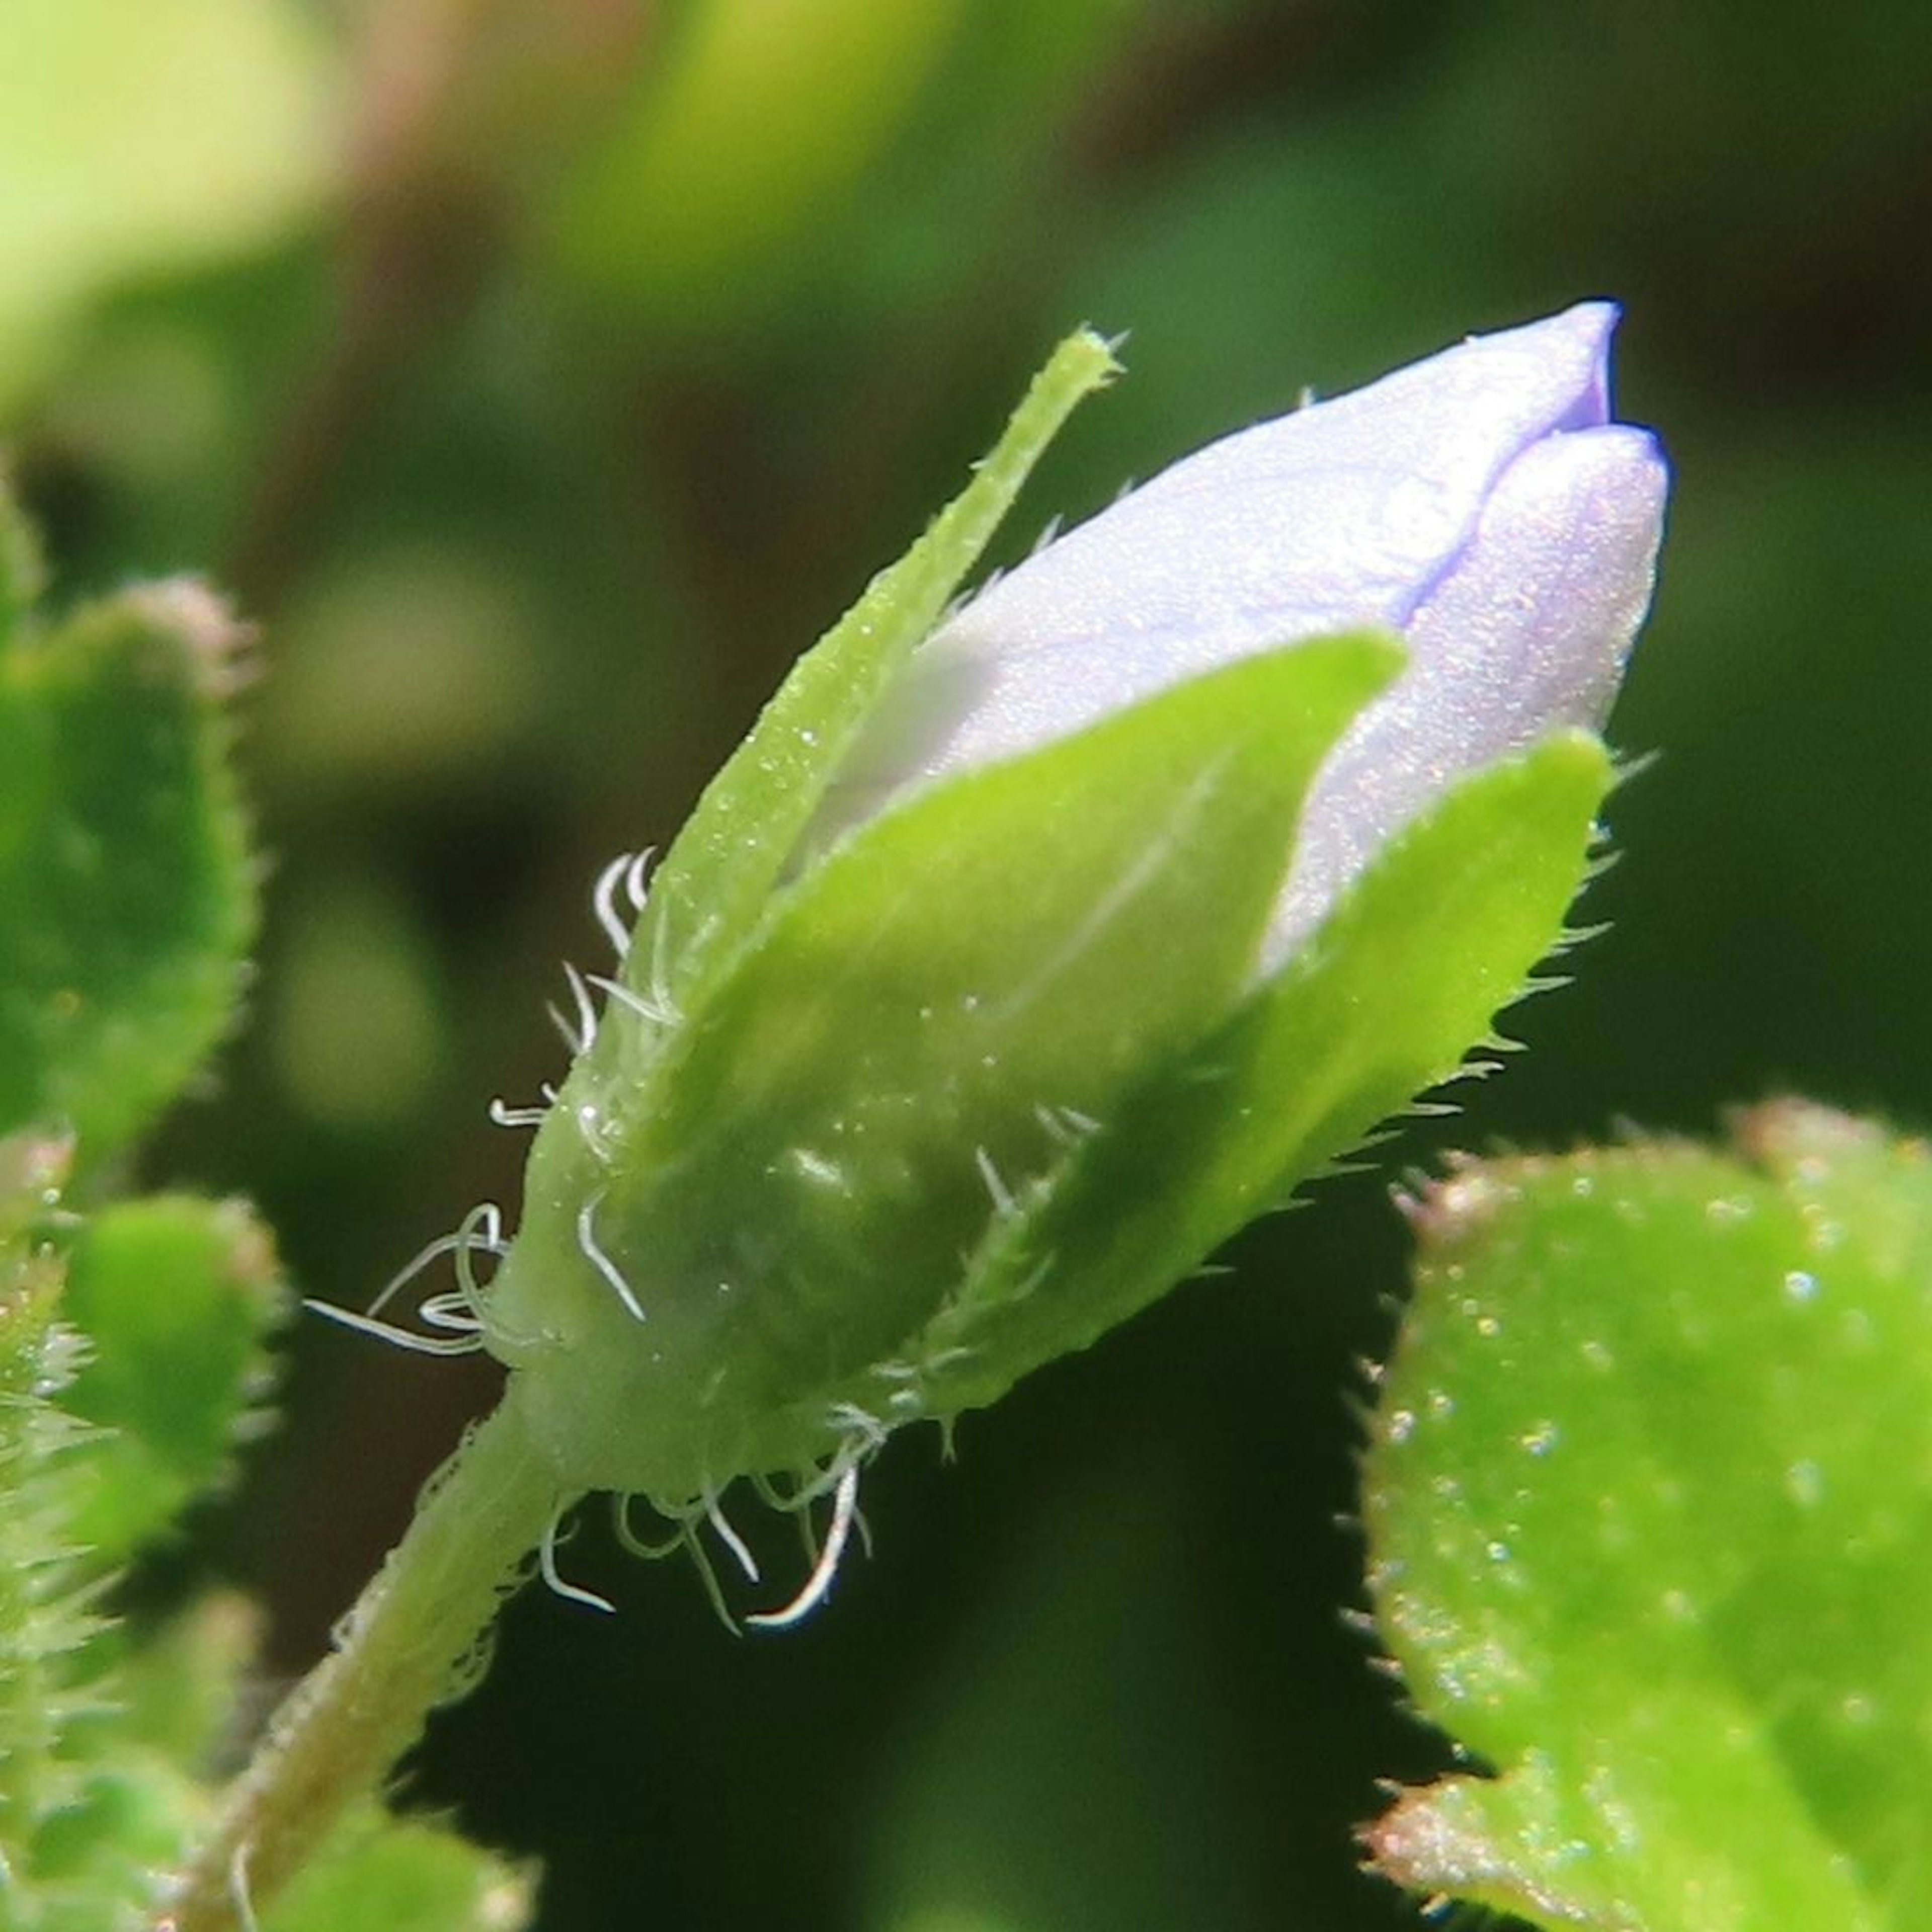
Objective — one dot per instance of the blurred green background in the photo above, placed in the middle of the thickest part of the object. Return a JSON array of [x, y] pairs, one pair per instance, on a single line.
[[543, 375]]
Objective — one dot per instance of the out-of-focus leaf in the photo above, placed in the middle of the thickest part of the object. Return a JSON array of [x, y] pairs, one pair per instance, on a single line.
[[44, 1620], [139, 135], [762, 115], [181, 1693], [1650, 1511], [925, 236], [105, 1741], [384, 1873], [127, 891], [97, 1860], [22, 572], [176, 1296]]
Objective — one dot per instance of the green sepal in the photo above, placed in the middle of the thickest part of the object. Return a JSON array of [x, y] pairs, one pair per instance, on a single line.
[[713, 886], [919, 1029], [178, 1296], [127, 892], [1383, 1003], [1650, 1523]]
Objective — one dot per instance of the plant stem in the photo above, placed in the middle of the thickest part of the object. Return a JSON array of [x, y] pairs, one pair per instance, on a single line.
[[401, 1653]]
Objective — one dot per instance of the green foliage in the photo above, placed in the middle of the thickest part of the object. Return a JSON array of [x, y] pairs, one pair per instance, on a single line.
[[22, 572], [381, 1873], [1649, 1531], [131, 1337], [178, 1691], [177, 1296], [126, 890], [88, 1814], [160, 1306], [44, 1619], [140, 135], [107, 1431], [620, 550], [759, 119], [128, 1341]]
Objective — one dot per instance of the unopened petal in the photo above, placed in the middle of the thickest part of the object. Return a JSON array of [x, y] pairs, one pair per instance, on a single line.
[[1527, 633], [1342, 515]]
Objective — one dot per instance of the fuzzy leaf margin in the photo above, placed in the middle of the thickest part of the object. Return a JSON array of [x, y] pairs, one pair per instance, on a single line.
[[127, 891], [1649, 1506]]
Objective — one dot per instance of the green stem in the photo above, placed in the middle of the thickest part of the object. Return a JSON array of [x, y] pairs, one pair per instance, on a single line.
[[401, 1653]]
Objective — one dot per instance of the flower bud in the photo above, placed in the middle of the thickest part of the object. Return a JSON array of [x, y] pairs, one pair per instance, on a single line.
[[1482, 503], [1019, 958]]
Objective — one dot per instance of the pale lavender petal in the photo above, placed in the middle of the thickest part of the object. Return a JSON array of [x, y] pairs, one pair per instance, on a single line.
[[1527, 633], [1481, 502], [1339, 515]]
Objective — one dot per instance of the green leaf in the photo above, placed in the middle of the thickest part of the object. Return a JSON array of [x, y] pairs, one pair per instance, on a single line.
[[756, 124], [88, 1814], [136, 136], [160, 1714], [714, 885], [1442, 931], [180, 1689], [44, 1621], [1651, 1521], [127, 892], [23, 573], [380, 1872], [177, 1297], [893, 1059], [97, 1860]]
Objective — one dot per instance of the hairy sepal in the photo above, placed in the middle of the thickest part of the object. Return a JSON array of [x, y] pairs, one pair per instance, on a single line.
[[711, 891], [1443, 931], [923, 1026]]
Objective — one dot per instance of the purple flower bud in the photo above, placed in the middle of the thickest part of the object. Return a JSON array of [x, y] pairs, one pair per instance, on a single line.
[[1482, 503]]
